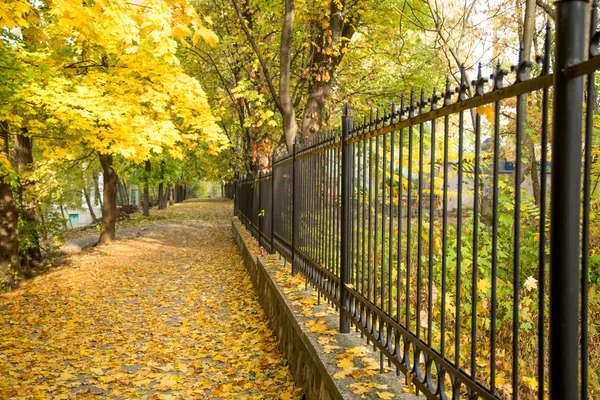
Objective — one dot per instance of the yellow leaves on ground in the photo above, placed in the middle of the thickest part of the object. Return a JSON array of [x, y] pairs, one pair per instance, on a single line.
[[365, 367], [319, 326], [363, 388], [356, 365], [168, 315]]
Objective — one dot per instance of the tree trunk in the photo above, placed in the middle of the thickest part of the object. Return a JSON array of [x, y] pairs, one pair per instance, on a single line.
[[161, 196], [166, 195], [88, 200], [311, 121], [161, 188], [97, 196], [109, 206], [62, 212], [528, 32], [23, 163], [290, 127], [171, 194], [146, 201], [176, 193], [9, 229]]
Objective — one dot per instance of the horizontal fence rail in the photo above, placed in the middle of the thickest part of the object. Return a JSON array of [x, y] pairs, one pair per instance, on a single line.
[[432, 227]]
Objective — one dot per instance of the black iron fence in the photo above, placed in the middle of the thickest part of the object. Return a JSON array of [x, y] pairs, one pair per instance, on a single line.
[[449, 227]]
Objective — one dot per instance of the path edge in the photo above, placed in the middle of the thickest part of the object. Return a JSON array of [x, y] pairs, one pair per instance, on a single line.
[[307, 367]]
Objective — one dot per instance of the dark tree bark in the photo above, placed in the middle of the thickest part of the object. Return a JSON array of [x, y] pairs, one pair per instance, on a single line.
[[324, 63], [171, 195], [9, 230], [282, 100], [88, 200], [161, 188], [146, 200], [109, 206], [97, 196], [23, 163], [178, 193]]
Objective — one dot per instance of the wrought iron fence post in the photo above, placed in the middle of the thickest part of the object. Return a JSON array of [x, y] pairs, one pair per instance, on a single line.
[[235, 196], [260, 209], [295, 208], [565, 205], [273, 201], [346, 220]]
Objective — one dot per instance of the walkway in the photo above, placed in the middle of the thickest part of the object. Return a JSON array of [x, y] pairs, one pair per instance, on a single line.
[[170, 314]]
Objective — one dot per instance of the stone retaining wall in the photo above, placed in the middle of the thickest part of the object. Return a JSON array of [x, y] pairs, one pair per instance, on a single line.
[[304, 361]]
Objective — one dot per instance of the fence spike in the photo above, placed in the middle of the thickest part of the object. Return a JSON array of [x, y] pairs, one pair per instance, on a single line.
[[498, 76], [479, 82], [447, 93], [464, 85], [435, 97]]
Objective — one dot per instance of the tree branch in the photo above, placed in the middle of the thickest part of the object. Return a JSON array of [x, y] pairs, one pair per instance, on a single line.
[[547, 8], [261, 60]]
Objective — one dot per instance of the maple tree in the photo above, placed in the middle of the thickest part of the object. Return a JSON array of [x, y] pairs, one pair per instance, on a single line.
[[102, 78]]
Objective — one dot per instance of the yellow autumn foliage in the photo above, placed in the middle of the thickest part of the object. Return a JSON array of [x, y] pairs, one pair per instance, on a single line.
[[108, 79]]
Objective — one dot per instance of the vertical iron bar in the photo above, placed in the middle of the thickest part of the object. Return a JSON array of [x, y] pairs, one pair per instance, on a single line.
[[357, 214], [411, 113], [370, 230], [542, 233], [400, 210], [391, 216], [461, 126], [295, 205], [447, 102], [434, 99], [517, 239], [474, 263], [565, 204], [364, 216], [346, 222], [273, 202], [495, 196], [585, 252], [383, 220], [376, 211], [420, 216], [260, 210]]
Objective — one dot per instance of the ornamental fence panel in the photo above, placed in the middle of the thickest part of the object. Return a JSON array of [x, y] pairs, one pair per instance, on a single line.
[[453, 229]]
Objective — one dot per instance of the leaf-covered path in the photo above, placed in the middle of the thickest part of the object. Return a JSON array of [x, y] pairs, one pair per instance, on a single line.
[[171, 314]]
